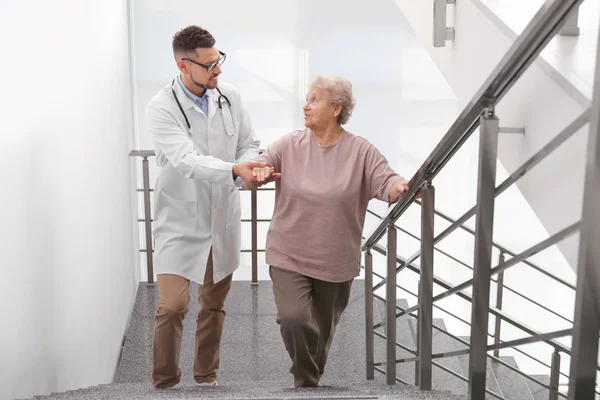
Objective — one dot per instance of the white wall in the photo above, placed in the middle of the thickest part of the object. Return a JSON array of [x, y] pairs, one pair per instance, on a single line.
[[573, 57], [549, 197], [68, 275], [468, 61]]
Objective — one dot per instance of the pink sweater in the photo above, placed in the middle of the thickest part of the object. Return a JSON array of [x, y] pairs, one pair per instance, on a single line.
[[321, 201]]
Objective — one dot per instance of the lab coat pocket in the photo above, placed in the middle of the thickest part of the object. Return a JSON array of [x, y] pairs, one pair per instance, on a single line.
[[174, 215], [234, 212]]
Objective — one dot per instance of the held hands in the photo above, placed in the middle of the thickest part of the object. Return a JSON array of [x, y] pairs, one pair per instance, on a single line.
[[263, 176], [255, 173], [266, 175], [245, 170]]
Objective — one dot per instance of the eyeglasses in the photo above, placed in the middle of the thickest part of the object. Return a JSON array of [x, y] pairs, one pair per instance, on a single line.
[[212, 66]]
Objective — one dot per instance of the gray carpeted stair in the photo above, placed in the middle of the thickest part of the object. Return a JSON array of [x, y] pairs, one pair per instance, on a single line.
[[539, 392], [404, 371], [254, 363], [442, 343], [251, 390], [500, 379], [491, 383], [513, 385]]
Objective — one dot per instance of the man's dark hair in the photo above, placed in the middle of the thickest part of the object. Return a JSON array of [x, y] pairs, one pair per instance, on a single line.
[[190, 38]]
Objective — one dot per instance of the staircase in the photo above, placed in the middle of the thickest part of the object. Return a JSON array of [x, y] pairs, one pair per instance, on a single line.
[[500, 379], [254, 363]]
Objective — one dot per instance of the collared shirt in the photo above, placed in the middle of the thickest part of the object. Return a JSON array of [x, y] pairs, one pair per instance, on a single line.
[[201, 102]]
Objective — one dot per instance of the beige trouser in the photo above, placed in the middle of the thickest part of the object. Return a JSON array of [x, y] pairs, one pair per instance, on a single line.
[[173, 302], [308, 311]]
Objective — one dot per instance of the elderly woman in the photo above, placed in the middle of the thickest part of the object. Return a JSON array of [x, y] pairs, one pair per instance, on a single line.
[[328, 176]]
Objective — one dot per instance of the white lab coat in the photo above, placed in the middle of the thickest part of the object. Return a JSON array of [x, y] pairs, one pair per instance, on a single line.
[[197, 202]]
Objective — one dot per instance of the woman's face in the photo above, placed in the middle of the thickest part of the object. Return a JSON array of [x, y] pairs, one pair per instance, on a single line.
[[319, 113]]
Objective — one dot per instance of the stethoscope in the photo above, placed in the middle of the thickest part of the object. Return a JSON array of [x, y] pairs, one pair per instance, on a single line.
[[228, 124]]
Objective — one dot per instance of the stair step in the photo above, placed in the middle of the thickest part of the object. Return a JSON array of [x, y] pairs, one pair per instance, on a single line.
[[251, 348], [539, 392], [254, 390], [491, 383], [442, 343], [513, 385], [404, 371]]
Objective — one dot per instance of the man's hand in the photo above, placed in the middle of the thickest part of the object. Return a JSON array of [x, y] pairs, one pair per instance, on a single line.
[[266, 175], [245, 170], [398, 190], [263, 175]]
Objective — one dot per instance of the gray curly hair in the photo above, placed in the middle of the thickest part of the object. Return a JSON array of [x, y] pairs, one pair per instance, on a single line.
[[339, 91]]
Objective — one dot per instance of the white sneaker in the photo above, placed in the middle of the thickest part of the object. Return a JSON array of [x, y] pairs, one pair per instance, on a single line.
[[213, 383]]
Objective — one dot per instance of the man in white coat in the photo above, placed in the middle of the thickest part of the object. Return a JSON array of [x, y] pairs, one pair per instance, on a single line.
[[204, 144]]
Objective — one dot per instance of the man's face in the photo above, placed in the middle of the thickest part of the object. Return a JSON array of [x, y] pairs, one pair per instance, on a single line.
[[205, 76]]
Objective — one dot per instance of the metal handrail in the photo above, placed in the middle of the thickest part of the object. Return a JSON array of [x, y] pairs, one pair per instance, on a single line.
[[481, 112], [510, 263], [464, 296], [533, 161], [147, 214], [463, 321], [501, 248], [555, 143], [497, 313], [379, 249], [440, 366], [527, 166], [544, 25], [450, 144], [435, 305], [462, 352], [458, 318]]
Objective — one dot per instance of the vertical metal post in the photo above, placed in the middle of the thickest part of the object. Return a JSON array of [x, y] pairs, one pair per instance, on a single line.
[[256, 335], [571, 28], [486, 190], [554, 376], [441, 33], [499, 292], [586, 326], [254, 211], [369, 336], [418, 336], [148, 220], [390, 302], [584, 352], [426, 283]]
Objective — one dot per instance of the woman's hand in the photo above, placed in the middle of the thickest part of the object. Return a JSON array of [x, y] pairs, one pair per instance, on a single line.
[[399, 188], [263, 176]]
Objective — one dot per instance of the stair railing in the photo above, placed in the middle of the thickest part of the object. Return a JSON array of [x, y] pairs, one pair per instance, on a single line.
[[480, 113], [148, 218], [500, 289]]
